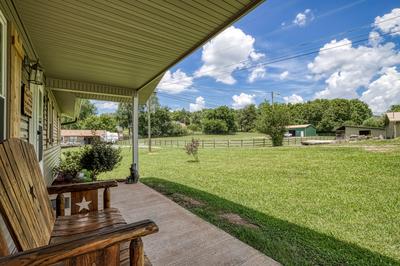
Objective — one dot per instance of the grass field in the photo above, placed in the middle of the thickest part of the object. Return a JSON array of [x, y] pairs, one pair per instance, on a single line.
[[326, 205]]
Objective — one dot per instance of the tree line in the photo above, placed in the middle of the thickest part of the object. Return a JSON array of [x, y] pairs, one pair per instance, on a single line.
[[324, 114]]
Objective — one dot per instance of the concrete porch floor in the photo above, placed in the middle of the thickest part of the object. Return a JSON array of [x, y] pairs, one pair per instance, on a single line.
[[184, 238]]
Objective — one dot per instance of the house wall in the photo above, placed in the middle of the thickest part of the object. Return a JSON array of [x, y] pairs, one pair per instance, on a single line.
[[17, 124], [51, 136]]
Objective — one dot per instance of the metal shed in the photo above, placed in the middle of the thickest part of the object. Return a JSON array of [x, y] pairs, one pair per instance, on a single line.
[[346, 132], [306, 130]]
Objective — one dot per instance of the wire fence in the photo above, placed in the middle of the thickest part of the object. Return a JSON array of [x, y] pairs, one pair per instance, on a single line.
[[224, 143]]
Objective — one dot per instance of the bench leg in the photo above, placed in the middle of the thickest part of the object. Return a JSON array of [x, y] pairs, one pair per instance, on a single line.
[[60, 205], [136, 252]]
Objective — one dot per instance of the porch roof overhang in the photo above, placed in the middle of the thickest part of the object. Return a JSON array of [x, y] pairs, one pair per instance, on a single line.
[[107, 49]]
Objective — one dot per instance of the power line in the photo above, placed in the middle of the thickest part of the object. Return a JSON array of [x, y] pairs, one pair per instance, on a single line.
[[288, 57], [180, 99], [282, 58]]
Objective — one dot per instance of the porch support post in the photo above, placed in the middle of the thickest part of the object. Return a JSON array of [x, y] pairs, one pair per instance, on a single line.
[[135, 129]]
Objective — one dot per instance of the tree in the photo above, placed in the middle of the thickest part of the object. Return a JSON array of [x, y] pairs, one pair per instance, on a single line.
[[195, 118], [102, 122], [181, 116], [374, 121], [273, 121], [123, 115], [215, 126], [247, 118], [87, 109], [161, 124], [124, 112], [225, 116], [326, 114], [394, 108]]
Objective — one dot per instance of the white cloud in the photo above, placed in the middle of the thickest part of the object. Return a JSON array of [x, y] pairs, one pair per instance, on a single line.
[[257, 73], [294, 98], [227, 52], [243, 100], [346, 68], [384, 91], [284, 75], [105, 107], [174, 83], [375, 38], [389, 23], [198, 106], [302, 19]]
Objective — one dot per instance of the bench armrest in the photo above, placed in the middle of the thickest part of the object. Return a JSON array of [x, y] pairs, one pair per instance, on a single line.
[[58, 189], [57, 252]]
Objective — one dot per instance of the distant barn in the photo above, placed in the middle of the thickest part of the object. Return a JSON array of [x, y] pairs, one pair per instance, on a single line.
[[307, 130], [346, 132], [392, 125]]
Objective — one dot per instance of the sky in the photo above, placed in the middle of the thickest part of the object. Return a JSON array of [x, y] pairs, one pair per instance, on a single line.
[[300, 50]]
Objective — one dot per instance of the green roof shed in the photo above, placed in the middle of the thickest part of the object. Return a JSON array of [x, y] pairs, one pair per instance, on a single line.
[[306, 130]]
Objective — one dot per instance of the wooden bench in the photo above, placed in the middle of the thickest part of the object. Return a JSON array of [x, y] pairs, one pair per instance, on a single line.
[[88, 236]]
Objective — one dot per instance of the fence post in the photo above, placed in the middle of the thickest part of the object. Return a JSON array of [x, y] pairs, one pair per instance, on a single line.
[[253, 143], [202, 143], [241, 143], [288, 141], [263, 142], [177, 143], [228, 143], [214, 143]]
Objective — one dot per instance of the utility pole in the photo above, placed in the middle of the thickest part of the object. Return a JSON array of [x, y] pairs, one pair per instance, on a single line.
[[272, 97], [149, 122]]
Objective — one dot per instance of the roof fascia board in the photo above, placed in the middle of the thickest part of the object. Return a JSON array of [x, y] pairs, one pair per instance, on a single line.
[[87, 88]]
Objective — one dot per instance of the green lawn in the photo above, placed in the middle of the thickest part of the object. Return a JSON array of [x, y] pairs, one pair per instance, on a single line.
[[311, 205]]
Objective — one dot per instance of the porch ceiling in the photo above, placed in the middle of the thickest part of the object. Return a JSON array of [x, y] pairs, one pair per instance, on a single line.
[[120, 44]]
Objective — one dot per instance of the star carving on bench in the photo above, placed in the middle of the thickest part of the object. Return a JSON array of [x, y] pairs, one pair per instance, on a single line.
[[32, 192], [83, 205]]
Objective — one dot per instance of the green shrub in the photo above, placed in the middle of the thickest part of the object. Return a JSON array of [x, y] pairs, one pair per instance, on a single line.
[[100, 157], [69, 165], [194, 127], [215, 126], [177, 130]]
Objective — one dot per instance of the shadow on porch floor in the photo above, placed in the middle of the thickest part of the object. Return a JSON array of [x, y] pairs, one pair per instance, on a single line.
[[183, 239]]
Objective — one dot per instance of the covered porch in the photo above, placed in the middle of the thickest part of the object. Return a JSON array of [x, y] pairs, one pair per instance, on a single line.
[[55, 53], [111, 50], [184, 238]]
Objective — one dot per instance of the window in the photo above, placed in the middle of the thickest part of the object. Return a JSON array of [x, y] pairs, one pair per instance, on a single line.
[[364, 132], [3, 71]]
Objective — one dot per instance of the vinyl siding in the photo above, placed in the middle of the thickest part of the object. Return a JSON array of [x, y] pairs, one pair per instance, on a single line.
[[51, 149]]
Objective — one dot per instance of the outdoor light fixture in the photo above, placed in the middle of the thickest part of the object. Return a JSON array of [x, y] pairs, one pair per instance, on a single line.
[[36, 74]]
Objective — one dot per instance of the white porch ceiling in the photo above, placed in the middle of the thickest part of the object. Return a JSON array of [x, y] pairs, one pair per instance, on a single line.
[[121, 44]]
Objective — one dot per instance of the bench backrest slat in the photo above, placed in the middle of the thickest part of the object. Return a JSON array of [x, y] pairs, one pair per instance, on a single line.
[[24, 202]]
